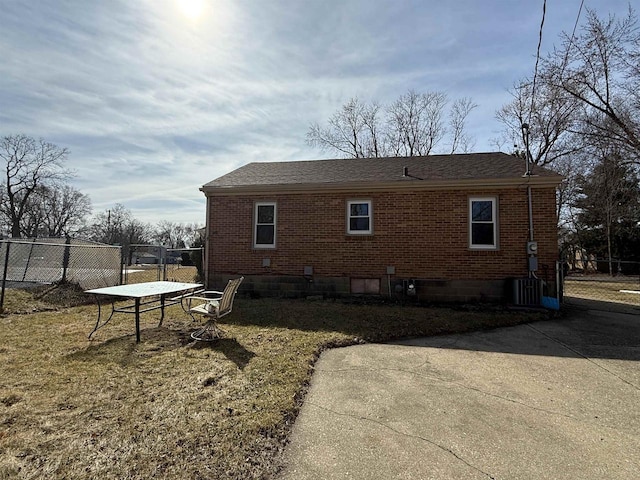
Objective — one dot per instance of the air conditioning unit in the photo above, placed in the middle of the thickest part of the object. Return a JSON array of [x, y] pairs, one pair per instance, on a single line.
[[527, 291]]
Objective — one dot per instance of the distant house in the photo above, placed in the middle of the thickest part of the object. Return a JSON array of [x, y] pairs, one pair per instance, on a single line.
[[144, 258], [440, 228]]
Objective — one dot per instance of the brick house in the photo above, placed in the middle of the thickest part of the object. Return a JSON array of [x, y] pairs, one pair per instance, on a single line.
[[440, 228]]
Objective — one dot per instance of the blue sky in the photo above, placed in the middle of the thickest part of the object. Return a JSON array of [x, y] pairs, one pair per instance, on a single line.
[[154, 98]]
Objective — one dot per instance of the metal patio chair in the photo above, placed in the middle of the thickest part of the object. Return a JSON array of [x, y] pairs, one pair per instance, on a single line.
[[212, 305]]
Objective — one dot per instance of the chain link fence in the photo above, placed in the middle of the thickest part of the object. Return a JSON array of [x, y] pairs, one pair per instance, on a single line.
[[148, 263], [32, 262], [57, 260], [615, 282]]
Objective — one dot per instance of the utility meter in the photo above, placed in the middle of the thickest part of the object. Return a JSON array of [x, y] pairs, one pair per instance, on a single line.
[[532, 248]]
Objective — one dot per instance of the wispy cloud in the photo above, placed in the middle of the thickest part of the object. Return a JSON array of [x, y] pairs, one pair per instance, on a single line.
[[153, 104]]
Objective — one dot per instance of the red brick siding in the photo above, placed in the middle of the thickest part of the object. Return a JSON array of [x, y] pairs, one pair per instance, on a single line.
[[422, 234]]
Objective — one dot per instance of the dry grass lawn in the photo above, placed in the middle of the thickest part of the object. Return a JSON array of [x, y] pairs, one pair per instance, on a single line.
[[168, 407], [609, 290]]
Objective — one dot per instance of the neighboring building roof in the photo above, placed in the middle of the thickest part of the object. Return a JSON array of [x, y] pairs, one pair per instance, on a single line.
[[434, 170]]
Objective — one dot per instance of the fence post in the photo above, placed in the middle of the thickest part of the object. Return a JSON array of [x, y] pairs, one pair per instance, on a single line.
[[4, 276], [559, 281], [123, 265], [65, 259], [162, 268], [203, 277], [24, 274]]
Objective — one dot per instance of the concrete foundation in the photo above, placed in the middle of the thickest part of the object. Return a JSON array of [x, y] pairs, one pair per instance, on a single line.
[[426, 290]]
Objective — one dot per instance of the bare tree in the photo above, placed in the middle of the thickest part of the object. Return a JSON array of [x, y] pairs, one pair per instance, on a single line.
[[55, 211], [570, 167], [550, 116], [118, 226], [194, 235], [135, 232], [599, 68], [176, 235], [169, 234], [586, 105], [109, 226], [34, 214], [29, 164], [374, 142], [67, 210], [460, 139], [352, 131], [415, 124]]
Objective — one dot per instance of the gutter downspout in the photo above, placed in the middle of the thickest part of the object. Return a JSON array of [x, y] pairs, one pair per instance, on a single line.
[[207, 243], [527, 154], [530, 213]]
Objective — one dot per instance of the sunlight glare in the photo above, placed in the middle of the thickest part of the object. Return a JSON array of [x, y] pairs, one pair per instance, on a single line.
[[192, 9]]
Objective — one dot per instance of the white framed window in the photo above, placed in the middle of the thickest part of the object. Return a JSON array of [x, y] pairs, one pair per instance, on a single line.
[[359, 217], [483, 223], [264, 225]]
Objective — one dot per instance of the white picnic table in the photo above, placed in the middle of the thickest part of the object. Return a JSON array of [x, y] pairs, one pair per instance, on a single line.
[[155, 292]]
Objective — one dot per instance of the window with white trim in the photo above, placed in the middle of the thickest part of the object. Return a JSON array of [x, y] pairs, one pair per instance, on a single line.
[[483, 225], [264, 228], [359, 218]]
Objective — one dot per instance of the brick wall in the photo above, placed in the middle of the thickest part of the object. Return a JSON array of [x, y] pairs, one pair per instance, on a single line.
[[423, 234]]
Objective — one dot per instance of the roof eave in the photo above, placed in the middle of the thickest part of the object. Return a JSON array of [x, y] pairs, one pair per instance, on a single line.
[[413, 185]]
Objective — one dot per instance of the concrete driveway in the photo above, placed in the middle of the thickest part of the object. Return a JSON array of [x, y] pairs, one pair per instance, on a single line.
[[551, 400]]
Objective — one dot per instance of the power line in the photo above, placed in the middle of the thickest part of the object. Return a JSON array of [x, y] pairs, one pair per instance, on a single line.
[[573, 34], [535, 71], [566, 53]]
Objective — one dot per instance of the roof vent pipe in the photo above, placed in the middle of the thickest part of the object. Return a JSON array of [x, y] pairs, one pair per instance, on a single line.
[[405, 171]]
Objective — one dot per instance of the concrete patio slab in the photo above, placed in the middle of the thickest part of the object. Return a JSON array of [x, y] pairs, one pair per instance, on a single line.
[[551, 400]]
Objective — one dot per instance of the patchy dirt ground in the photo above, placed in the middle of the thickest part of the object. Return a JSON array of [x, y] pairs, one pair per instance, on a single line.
[[42, 298], [62, 294]]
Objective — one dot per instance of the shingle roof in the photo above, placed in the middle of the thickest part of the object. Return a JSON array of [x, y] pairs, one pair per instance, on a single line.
[[433, 168]]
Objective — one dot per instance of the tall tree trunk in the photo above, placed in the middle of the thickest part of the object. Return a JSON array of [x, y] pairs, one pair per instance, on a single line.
[[15, 228], [609, 249]]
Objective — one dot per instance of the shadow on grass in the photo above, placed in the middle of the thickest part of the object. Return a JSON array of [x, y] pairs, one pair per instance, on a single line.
[[374, 322], [125, 351], [573, 333], [230, 348]]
